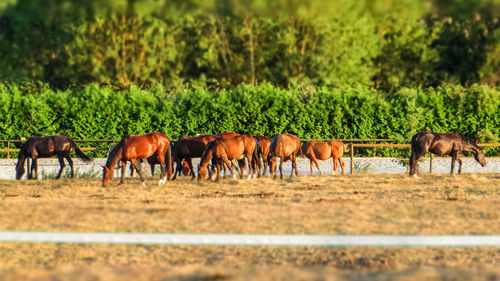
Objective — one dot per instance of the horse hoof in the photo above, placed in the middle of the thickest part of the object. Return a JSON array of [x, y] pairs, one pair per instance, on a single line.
[[249, 177], [234, 176], [143, 184]]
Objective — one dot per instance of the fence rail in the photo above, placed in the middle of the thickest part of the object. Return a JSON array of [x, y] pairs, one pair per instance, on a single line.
[[353, 142]]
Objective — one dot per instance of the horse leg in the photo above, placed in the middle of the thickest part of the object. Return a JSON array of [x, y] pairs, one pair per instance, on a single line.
[[281, 168], [311, 166], [264, 161], [341, 162], [228, 164], [60, 157], [177, 169], [139, 170], [294, 163], [454, 157], [217, 171], [152, 167], [335, 165], [124, 167], [28, 169], [459, 165], [190, 164], [163, 170], [414, 162], [34, 166], [70, 162], [251, 169]]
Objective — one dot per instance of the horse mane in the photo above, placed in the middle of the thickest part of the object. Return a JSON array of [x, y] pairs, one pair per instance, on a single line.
[[115, 153], [469, 143], [208, 150]]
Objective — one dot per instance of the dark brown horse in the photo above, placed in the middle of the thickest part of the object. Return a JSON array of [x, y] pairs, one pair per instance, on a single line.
[[224, 149], [286, 147], [263, 152], [41, 147], [450, 143], [188, 147], [315, 151], [132, 147]]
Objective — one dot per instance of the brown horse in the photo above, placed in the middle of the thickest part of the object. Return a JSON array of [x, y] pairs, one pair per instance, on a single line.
[[264, 147], [133, 147], [40, 147], [315, 151], [450, 143], [222, 150], [286, 147], [188, 147]]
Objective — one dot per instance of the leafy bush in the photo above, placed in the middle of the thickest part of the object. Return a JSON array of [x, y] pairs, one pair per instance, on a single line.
[[102, 113]]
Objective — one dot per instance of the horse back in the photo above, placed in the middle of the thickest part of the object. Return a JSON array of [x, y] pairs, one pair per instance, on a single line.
[[143, 146], [322, 150], [192, 147], [264, 144], [437, 143], [232, 147], [285, 145]]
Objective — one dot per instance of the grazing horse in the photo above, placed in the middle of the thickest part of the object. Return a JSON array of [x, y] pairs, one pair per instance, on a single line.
[[132, 147], [40, 147], [450, 143], [152, 161], [187, 148], [264, 147], [315, 151], [222, 150], [286, 147]]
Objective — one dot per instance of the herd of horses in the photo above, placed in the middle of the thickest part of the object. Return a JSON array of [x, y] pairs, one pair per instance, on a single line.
[[232, 151]]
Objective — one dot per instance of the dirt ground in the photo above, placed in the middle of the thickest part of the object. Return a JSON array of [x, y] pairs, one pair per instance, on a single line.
[[351, 204]]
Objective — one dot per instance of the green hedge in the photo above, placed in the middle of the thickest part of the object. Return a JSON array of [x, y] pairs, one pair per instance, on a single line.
[[100, 113]]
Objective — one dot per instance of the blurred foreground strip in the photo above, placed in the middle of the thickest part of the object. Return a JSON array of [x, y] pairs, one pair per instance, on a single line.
[[251, 239]]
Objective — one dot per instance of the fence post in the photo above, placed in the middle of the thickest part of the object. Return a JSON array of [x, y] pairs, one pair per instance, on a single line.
[[374, 149], [8, 149], [430, 164], [352, 158]]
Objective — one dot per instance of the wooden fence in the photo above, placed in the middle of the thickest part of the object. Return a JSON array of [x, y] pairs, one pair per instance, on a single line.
[[354, 143]]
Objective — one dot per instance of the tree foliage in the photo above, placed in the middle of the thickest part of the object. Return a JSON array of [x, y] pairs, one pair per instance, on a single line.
[[383, 44]]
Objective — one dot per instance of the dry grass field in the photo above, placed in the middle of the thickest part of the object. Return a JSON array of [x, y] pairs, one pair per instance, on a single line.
[[358, 204]]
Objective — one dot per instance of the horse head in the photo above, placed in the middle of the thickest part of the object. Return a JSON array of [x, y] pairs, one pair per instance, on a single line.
[[479, 156], [19, 170], [107, 176], [477, 151], [202, 173]]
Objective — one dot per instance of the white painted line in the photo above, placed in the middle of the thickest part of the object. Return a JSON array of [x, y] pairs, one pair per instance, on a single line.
[[252, 239]]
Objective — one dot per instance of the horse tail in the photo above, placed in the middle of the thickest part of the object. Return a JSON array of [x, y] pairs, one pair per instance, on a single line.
[[20, 163], [413, 156], [346, 147], [79, 152], [168, 160]]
